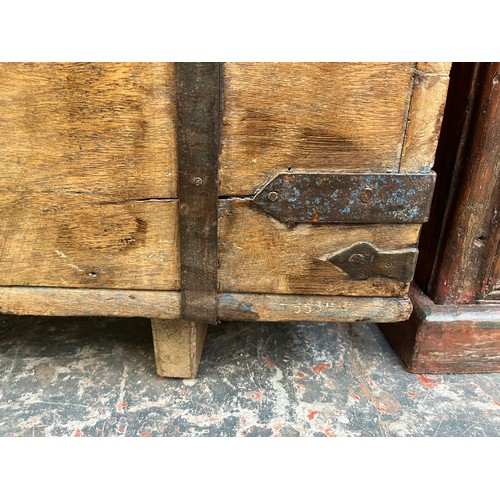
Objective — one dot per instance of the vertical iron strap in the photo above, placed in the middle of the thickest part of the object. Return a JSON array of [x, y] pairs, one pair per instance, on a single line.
[[198, 97]]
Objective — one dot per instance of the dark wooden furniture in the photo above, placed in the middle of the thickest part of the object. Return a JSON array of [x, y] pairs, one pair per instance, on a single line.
[[455, 325]]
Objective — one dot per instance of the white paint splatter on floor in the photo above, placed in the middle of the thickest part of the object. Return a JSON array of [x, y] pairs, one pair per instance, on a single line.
[[96, 377]]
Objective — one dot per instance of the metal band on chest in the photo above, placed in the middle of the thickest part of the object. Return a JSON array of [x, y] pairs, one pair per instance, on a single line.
[[198, 116]]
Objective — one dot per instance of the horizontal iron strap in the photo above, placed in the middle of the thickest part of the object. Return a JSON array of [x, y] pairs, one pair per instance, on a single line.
[[197, 156], [348, 198]]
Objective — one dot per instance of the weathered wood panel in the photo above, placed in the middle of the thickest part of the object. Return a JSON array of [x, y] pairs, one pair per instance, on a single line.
[[280, 117], [88, 241], [255, 307], [469, 268], [44, 301], [430, 88], [103, 129], [449, 163], [259, 254]]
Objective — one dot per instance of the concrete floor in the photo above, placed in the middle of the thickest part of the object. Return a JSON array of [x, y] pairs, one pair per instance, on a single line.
[[96, 377]]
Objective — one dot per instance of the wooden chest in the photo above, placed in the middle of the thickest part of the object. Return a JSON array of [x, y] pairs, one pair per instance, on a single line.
[[199, 192]]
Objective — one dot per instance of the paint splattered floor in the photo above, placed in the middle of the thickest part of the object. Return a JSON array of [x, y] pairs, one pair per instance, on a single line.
[[96, 377]]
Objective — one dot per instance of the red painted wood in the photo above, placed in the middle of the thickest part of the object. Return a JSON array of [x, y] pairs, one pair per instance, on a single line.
[[447, 338]]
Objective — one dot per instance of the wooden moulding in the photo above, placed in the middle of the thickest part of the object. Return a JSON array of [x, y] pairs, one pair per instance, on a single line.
[[44, 301], [470, 268], [447, 338]]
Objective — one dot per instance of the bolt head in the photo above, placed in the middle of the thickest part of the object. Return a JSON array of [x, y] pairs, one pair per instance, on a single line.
[[272, 196], [366, 195], [198, 181]]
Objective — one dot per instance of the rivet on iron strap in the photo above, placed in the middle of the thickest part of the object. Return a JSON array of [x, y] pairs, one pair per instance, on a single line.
[[198, 90]]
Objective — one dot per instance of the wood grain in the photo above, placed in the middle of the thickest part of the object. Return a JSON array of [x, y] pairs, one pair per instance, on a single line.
[[255, 307], [260, 254], [428, 100], [46, 301], [434, 67], [106, 129], [447, 338], [311, 117], [43, 301], [88, 242], [470, 267], [449, 163], [178, 347]]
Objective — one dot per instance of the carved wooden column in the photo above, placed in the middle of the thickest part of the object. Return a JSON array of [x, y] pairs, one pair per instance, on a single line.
[[455, 325]]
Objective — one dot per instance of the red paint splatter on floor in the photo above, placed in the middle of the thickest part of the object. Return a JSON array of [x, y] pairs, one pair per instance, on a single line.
[[412, 394], [257, 395], [78, 433], [145, 434], [329, 432], [355, 396], [496, 402], [365, 390], [430, 383], [121, 405], [277, 427], [301, 374], [320, 367], [381, 408], [270, 363], [312, 414]]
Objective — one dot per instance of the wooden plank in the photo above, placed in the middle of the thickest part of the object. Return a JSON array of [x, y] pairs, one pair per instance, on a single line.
[[178, 347], [449, 163], [255, 307], [198, 166], [430, 88], [447, 338], [106, 129], [45, 301], [88, 242], [280, 117], [434, 67], [470, 266], [42, 301], [259, 254]]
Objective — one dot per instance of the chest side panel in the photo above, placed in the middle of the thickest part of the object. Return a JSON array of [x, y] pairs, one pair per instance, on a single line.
[[88, 175], [280, 117]]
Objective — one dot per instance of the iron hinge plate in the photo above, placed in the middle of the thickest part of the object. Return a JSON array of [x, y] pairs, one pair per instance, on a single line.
[[348, 198]]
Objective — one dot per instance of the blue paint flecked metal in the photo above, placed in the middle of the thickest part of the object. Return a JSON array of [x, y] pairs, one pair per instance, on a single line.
[[348, 198]]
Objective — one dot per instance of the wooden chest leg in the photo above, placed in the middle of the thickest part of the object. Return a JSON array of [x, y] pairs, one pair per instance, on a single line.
[[178, 345]]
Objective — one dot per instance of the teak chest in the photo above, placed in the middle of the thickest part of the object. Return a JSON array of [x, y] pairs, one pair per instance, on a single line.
[[198, 192]]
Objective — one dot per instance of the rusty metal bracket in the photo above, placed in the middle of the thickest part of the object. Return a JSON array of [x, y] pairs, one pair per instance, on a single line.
[[348, 198], [363, 260], [198, 98]]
